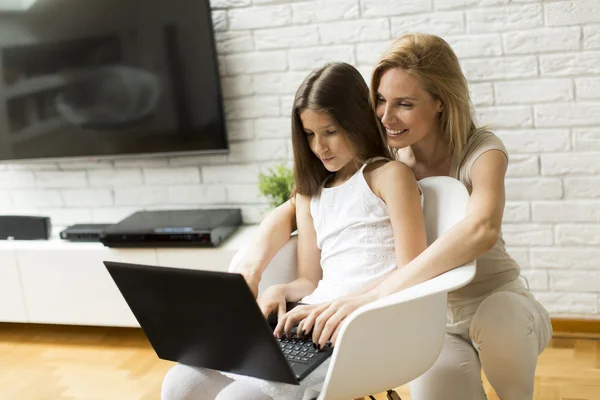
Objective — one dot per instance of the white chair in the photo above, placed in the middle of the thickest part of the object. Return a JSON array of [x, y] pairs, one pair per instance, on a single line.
[[388, 343]]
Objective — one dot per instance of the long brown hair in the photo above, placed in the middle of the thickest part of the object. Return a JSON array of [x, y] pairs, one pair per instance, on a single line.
[[339, 90], [433, 62]]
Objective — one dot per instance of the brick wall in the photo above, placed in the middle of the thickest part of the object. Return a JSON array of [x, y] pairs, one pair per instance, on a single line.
[[534, 71]]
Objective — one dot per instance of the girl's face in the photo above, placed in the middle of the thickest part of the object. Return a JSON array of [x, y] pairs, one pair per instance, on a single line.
[[327, 140], [407, 112]]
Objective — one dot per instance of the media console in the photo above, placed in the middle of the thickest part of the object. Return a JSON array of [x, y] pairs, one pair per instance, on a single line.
[[59, 282]]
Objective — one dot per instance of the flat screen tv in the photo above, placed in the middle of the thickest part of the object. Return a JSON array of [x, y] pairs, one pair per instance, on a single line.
[[101, 78]]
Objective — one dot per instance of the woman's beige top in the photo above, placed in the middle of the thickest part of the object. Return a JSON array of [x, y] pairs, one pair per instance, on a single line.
[[496, 268]]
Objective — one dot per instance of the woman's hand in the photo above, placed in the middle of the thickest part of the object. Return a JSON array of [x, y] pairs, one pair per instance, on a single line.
[[273, 300]]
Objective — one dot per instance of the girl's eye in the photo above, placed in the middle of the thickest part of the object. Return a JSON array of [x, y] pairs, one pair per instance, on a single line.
[[308, 133], [380, 99], [331, 132]]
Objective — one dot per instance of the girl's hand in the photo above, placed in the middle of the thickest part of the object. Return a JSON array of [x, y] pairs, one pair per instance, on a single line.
[[325, 321], [295, 315], [273, 300]]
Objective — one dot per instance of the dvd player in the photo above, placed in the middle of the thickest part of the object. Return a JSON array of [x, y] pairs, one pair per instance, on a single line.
[[173, 228]]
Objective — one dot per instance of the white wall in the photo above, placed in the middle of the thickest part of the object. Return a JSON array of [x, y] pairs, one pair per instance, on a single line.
[[534, 71]]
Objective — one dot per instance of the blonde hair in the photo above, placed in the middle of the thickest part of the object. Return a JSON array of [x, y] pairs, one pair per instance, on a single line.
[[433, 62]]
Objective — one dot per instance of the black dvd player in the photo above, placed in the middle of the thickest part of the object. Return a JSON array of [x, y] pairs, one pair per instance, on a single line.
[[83, 232], [173, 228]]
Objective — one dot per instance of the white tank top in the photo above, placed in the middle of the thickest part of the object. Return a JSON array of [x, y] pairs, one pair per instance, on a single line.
[[355, 236]]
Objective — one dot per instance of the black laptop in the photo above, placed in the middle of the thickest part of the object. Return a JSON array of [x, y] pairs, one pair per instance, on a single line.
[[211, 320]]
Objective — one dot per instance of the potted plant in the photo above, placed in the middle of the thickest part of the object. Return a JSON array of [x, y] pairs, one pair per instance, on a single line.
[[276, 185]]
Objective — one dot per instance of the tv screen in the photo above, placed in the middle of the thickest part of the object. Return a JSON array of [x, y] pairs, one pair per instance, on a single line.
[[94, 78]]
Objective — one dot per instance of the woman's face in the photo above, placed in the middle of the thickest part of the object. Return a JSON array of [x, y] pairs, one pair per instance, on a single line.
[[407, 112]]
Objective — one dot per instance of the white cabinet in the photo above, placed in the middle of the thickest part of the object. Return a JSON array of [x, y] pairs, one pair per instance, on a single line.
[[12, 305]]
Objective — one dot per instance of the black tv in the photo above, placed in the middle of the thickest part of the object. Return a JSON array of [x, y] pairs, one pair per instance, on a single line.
[[103, 78]]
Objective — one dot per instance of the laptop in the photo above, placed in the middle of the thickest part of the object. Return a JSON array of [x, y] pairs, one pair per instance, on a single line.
[[211, 320]]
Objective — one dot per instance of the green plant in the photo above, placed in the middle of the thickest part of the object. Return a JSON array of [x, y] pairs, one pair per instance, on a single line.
[[276, 185]]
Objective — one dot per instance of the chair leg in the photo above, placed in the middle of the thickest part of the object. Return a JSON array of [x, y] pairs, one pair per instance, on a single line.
[[392, 395]]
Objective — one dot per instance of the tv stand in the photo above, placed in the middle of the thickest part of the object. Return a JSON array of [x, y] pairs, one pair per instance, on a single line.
[[59, 282]]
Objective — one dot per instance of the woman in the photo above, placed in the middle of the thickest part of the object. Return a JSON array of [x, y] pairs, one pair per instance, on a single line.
[[422, 100]]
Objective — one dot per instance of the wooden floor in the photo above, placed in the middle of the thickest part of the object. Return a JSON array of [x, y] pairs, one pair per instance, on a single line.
[[40, 362]]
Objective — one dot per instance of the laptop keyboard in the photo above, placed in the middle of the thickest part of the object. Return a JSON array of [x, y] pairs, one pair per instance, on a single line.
[[298, 349]]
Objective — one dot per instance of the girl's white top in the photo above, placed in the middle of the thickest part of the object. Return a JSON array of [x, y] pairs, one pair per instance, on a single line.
[[355, 236]]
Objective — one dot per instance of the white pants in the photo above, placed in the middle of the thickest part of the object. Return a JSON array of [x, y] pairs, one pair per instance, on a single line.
[[504, 333]]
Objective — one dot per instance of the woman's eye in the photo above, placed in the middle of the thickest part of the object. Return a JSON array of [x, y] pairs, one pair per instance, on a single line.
[[405, 105]]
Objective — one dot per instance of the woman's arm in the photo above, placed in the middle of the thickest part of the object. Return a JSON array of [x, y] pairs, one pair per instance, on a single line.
[[274, 232], [473, 236]]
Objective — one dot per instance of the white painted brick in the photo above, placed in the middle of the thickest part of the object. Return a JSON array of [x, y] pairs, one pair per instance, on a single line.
[[85, 164], [578, 235], [570, 64], [533, 91], [68, 216], [577, 258], [244, 194], [582, 188], [253, 214], [17, 179], [239, 130], [222, 66], [369, 53], [141, 195], [233, 173], [439, 23], [523, 165], [584, 303], [587, 88], [5, 200], [31, 198], [471, 46], [219, 20], [542, 40], [252, 107], [572, 12], [527, 234], [535, 140], [591, 37], [233, 42], [354, 31], [454, 4], [482, 94], [237, 86], [520, 255], [567, 115], [533, 189], [287, 103], [288, 37], [568, 164], [87, 197], [502, 19], [385, 8], [61, 179], [516, 211], [111, 215], [115, 177], [33, 166], [326, 10], [278, 83], [197, 194], [202, 159], [537, 279], [154, 162], [252, 63], [171, 176], [273, 128], [309, 59], [486, 69], [505, 116], [228, 3], [260, 17], [586, 139], [258, 150], [566, 211], [575, 281]]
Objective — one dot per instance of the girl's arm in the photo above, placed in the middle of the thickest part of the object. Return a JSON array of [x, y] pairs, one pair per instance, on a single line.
[[274, 232], [473, 236], [308, 255]]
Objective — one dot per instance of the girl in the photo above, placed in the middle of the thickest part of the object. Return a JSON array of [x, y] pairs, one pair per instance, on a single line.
[[358, 214], [422, 100]]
